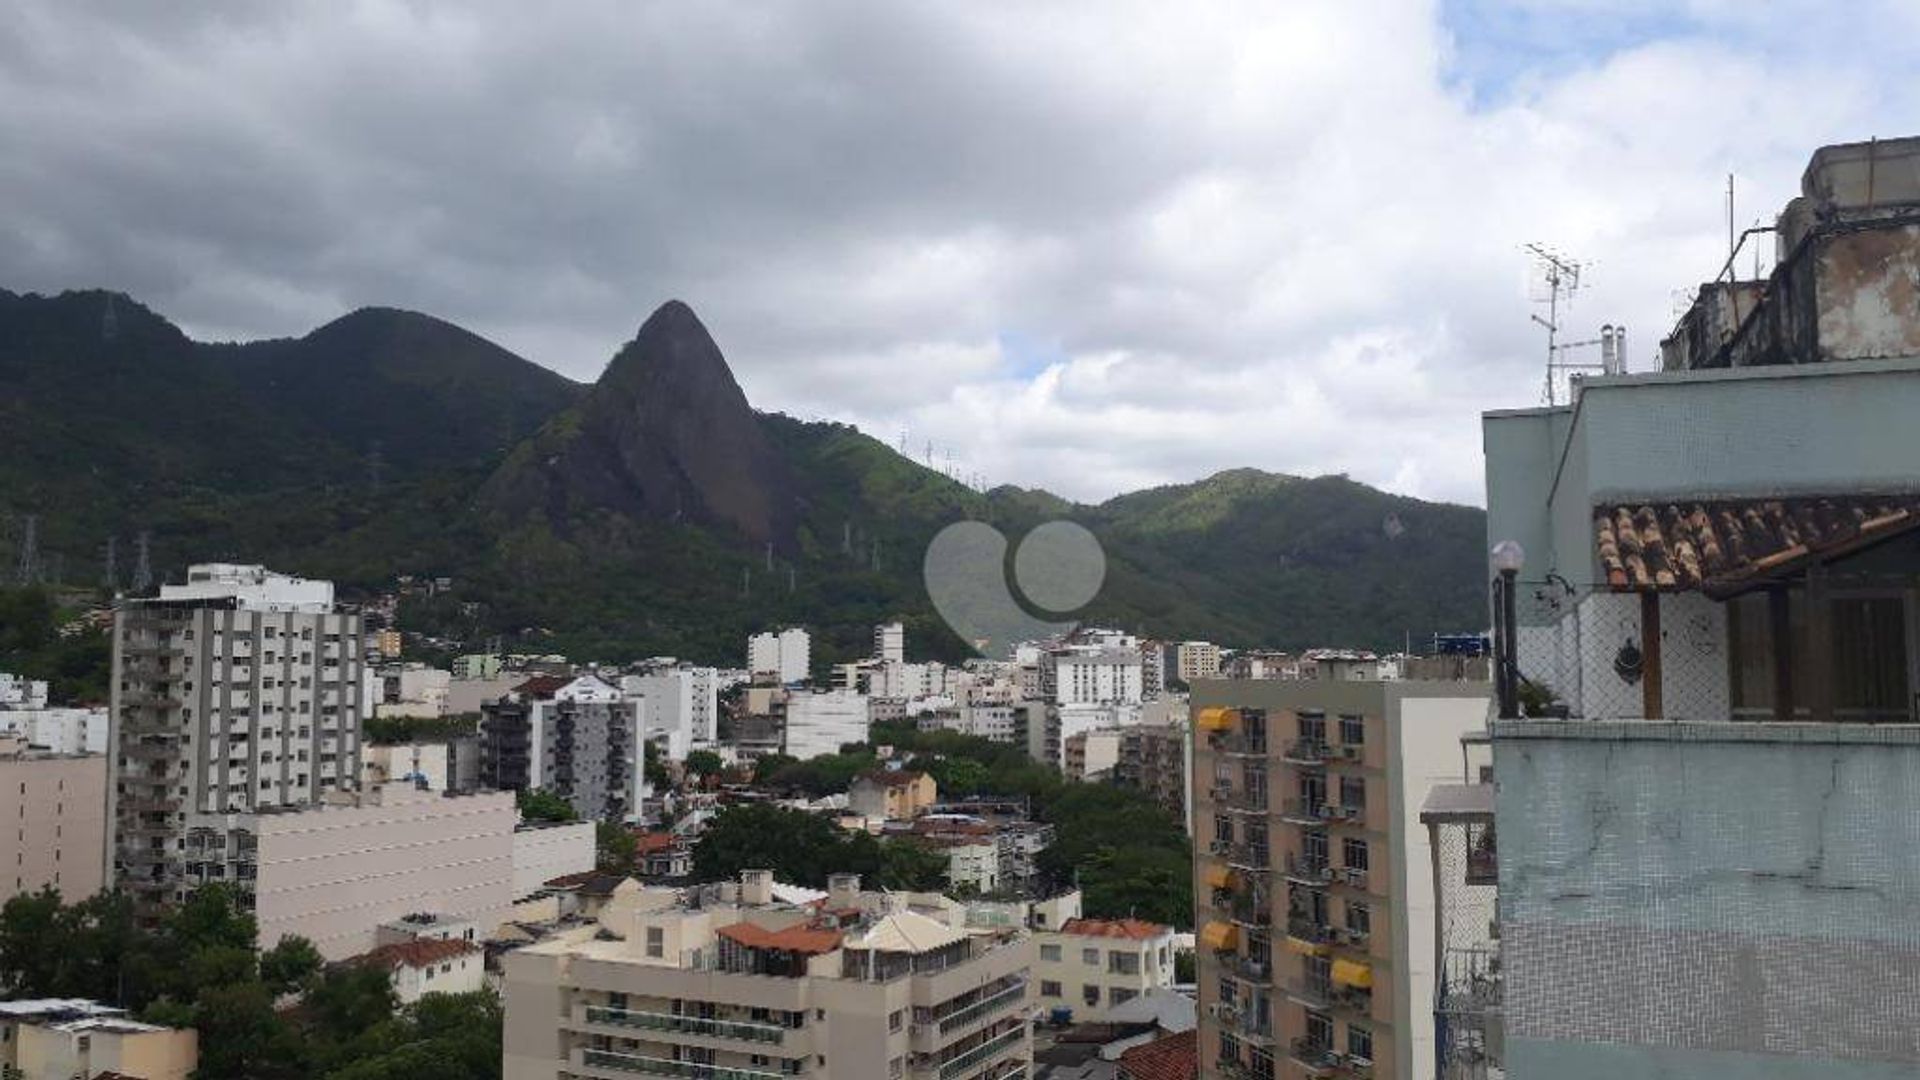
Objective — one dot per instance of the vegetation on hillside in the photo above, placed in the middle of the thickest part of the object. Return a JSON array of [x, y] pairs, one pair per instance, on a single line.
[[803, 848], [76, 666]]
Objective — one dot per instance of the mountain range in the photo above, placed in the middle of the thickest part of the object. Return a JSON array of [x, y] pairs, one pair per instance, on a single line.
[[654, 511]]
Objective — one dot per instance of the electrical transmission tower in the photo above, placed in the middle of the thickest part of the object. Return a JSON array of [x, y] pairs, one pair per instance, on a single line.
[[29, 572], [142, 562]]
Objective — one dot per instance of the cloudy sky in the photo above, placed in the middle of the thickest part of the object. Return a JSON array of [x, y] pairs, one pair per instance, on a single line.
[[1087, 246]]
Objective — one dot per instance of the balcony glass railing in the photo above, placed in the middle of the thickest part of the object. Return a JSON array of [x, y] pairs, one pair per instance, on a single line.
[[686, 1025], [991, 1048], [653, 1066], [982, 1008]]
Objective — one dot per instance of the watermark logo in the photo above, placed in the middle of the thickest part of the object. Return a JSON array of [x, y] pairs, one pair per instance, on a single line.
[[1058, 569]]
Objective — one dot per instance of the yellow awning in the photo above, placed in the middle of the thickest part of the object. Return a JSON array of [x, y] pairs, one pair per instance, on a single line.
[[1215, 718], [1219, 936], [1219, 877], [1352, 973], [1303, 947]]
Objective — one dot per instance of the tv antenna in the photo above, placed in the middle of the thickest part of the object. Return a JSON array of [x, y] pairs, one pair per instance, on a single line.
[[1561, 276]]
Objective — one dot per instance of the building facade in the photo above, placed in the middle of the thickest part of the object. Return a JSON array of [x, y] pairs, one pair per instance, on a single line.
[[238, 692], [1196, 660], [58, 1039], [728, 981], [333, 874], [820, 722], [1313, 883], [782, 658], [56, 805], [1091, 965], [579, 738], [890, 643]]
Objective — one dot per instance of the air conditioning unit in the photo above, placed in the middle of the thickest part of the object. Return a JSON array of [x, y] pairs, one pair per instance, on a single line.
[[1351, 753], [1219, 847]]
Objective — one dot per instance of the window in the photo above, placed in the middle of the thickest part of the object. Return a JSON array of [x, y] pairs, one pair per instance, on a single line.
[[1320, 1030], [1353, 853], [1353, 792], [1050, 952], [1090, 994], [1090, 957], [1359, 1042], [1123, 963], [1313, 727], [1223, 829], [1359, 917], [896, 1019], [1049, 988], [1353, 730], [1119, 994], [656, 941]]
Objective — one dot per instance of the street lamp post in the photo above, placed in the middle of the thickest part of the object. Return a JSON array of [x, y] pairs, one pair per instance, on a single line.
[[1507, 557]]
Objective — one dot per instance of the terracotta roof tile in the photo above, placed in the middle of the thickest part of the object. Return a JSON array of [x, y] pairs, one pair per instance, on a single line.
[[795, 939], [1720, 546], [542, 685], [1132, 929], [420, 953], [1172, 1057]]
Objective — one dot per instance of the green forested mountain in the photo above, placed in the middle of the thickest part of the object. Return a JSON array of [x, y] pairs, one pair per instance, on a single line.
[[653, 512]]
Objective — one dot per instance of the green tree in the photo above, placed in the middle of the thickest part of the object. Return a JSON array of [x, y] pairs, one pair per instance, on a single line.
[[35, 944], [704, 763], [289, 964], [539, 804], [908, 864], [615, 848], [656, 770], [798, 847], [243, 1038]]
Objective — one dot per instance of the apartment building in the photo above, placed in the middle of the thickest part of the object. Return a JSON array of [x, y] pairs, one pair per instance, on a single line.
[[1091, 755], [1313, 884], [728, 981], [61, 1038], [334, 873], [579, 738], [237, 692], [53, 821], [890, 643], [892, 794], [782, 658], [822, 721], [25, 713], [1194, 660], [1091, 965], [1155, 758], [1707, 765]]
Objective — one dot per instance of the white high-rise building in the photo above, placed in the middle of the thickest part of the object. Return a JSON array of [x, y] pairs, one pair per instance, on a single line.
[[890, 643], [1092, 676], [785, 657], [238, 692]]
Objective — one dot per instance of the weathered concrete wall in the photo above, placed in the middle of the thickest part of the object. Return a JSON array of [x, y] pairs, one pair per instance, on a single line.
[[1709, 899]]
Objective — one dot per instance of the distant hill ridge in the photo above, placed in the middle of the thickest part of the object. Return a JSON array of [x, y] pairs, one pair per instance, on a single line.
[[653, 511]]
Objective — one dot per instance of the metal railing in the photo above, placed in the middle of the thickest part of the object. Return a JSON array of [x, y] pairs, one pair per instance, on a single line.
[[686, 1025], [978, 1009], [653, 1066], [1306, 752], [997, 1045], [1308, 871]]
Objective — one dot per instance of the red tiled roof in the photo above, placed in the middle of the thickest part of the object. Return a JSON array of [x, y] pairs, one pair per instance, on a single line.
[[541, 685], [938, 827], [1722, 547], [893, 777], [420, 953], [649, 843], [793, 939], [1172, 1057], [1132, 929]]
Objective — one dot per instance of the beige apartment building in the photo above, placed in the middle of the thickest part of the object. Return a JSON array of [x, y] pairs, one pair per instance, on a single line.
[[727, 981], [53, 821], [1092, 965], [333, 874], [1314, 891], [58, 1039]]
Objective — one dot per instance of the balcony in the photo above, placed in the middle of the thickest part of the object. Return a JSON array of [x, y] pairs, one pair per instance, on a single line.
[[1249, 856], [992, 1048], [1304, 812], [1257, 972], [1251, 911], [653, 1066], [1317, 1058], [1314, 993], [1305, 752], [953, 1021], [1238, 743], [1241, 800], [1352, 877], [1311, 932], [1312, 872], [1354, 1000], [771, 1034]]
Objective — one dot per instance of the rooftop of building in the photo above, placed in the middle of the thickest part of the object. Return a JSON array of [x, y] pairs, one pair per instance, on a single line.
[[1128, 929], [892, 777], [1170, 1057], [419, 953], [1709, 731], [74, 1014]]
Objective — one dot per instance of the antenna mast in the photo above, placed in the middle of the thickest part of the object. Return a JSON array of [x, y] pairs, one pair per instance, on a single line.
[[1562, 278]]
